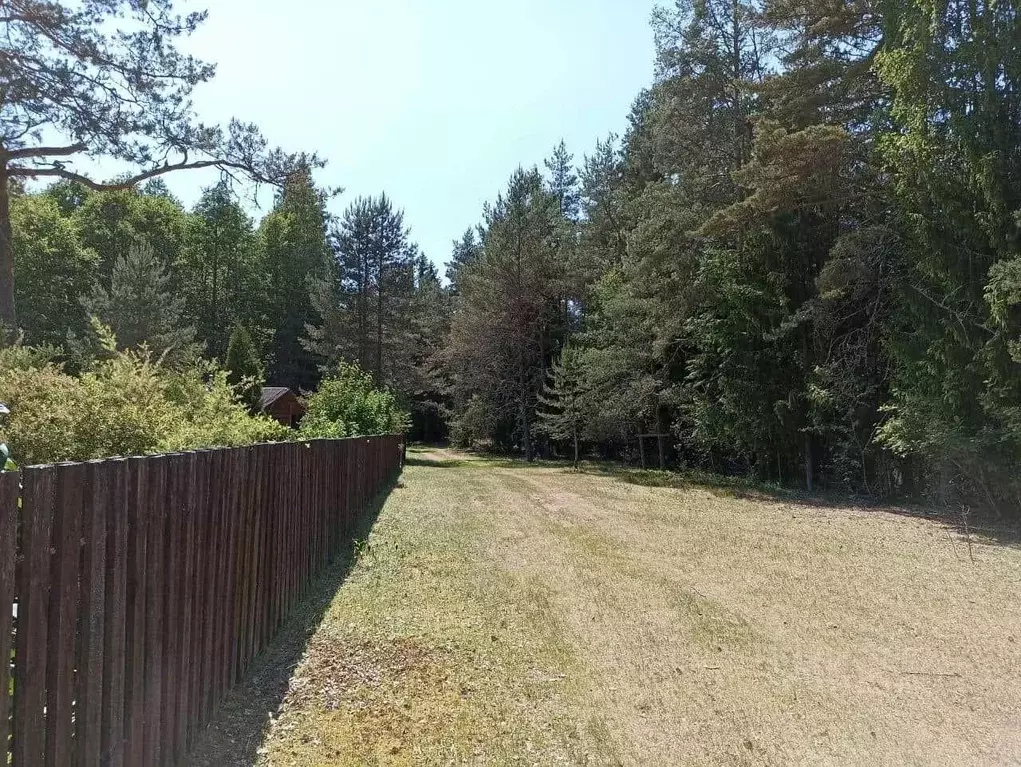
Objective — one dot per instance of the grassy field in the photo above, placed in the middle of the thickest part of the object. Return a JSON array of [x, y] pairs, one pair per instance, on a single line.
[[505, 614]]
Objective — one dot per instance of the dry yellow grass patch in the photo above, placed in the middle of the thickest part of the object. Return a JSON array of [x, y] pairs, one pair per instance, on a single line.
[[506, 614]]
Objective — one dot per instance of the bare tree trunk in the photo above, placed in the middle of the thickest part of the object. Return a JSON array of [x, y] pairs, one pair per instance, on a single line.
[[808, 462], [218, 350], [379, 329], [641, 449], [8, 318], [662, 452], [526, 427], [576, 448]]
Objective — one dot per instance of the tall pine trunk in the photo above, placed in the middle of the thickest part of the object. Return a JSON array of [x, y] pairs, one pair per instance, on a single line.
[[526, 427], [8, 318]]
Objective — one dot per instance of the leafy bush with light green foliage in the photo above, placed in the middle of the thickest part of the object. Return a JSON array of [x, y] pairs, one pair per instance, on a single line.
[[348, 404], [128, 404]]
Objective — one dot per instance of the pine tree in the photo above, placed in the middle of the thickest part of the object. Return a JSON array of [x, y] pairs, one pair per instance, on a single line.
[[508, 314], [563, 182], [564, 407], [367, 304], [141, 308], [296, 256], [954, 69], [107, 79], [464, 254], [244, 368], [221, 270]]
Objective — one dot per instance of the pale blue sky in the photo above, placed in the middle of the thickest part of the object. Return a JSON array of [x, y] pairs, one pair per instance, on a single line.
[[435, 102]]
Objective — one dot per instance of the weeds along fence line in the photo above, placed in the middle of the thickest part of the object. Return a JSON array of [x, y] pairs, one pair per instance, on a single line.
[[135, 592]]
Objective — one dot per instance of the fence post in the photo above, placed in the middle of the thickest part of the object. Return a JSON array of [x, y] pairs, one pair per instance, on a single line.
[[9, 492]]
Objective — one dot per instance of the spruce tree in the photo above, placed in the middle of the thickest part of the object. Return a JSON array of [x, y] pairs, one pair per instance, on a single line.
[[141, 308], [954, 69], [221, 270], [563, 404], [296, 257], [465, 253], [508, 313], [563, 181], [244, 368], [366, 304]]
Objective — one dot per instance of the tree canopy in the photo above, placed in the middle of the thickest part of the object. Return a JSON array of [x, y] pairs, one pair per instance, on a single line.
[[106, 77]]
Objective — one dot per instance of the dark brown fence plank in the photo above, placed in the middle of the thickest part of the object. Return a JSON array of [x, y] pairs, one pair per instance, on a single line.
[[172, 656], [217, 491], [269, 508], [247, 565], [260, 545], [116, 614], [156, 502], [231, 477], [33, 594], [89, 681], [264, 545], [63, 619], [134, 668], [9, 492], [208, 585], [187, 576], [274, 509], [200, 591], [244, 458]]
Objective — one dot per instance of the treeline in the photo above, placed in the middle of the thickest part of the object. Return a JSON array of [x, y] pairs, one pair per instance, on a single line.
[[129, 324], [802, 260], [282, 301], [801, 263]]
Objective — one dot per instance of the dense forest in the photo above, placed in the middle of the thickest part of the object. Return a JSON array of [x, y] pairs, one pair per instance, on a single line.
[[801, 263]]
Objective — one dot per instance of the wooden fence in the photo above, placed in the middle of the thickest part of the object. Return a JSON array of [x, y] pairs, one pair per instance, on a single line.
[[142, 588]]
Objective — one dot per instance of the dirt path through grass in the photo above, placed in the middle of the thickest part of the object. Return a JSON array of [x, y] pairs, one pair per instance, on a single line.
[[505, 614]]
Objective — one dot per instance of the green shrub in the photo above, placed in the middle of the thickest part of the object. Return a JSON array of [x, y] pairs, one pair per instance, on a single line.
[[126, 405], [347, 404]]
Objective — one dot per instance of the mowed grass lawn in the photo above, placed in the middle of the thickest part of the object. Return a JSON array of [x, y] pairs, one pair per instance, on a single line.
[[505, 614]]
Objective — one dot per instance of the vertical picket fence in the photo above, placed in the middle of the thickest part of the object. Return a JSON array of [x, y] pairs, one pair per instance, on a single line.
[[134, 592]]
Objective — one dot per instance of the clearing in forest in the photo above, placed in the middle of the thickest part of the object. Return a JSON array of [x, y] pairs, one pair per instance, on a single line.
[[500, 613]]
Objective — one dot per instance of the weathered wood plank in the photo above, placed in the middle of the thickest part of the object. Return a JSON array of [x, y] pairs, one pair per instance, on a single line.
[[63, 613], [134, 669], [199, 594], [242, 459], [235, 460], [187, 575], [114, 636], [10, 490], [219, 488], [97, 492], [156, 502], [208, 587], [32, 640]]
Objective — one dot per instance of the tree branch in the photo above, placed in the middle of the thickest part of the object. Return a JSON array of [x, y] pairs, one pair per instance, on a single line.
[[47, 151], [128, 183]]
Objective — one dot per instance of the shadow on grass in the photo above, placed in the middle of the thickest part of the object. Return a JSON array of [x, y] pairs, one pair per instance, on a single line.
[[435, 463], [237, 731], [979, 528]]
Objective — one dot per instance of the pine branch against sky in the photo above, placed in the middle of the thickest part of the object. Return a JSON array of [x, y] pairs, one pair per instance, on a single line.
[[431, 102]]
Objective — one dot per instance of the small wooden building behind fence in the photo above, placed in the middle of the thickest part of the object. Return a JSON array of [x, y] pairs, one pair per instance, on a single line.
[[282, 404], [143, 587]]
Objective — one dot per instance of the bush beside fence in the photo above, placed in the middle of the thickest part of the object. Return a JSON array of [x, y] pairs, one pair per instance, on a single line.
[[143, 587]]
